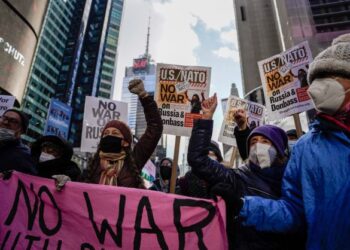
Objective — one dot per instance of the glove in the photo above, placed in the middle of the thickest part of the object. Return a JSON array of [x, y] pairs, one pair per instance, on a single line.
[[231, 196], [136, 87], [60, 181]]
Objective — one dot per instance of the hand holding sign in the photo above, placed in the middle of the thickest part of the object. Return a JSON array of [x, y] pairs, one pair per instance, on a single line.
[[209, 107], [136, 87]]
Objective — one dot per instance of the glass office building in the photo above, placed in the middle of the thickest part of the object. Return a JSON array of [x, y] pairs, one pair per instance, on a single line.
[[76, 57]]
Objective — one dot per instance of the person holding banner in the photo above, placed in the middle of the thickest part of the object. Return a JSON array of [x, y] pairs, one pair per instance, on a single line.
[[162, 184], [14, 155], [53, 156], [262, 176], [116, 162], [316, 184]]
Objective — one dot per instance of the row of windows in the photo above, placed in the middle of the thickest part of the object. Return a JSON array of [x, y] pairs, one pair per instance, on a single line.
[[57, 54], [44, 77], [47, 58]]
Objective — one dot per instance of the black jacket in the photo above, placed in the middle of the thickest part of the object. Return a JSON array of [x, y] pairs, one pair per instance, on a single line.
[[241, 139], [62, 165], [243, 179], [14, 155]]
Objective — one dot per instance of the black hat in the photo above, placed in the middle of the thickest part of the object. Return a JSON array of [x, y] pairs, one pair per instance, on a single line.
[[213, 146], [24, 118]]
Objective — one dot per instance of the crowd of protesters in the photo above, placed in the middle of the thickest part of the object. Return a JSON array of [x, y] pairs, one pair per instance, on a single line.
[[279, 199]]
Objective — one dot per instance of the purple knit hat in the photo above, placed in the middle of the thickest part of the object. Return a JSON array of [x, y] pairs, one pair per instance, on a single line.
[[275, 134]]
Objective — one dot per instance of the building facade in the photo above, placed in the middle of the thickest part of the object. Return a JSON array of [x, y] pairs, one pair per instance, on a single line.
[[272, 26], [20, 26], [76, 57]]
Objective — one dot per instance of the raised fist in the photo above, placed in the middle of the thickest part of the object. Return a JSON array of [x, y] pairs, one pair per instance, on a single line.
[[209, 107], [136, 87]]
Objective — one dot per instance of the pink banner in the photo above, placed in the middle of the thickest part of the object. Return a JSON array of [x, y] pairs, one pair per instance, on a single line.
[[33, 215]]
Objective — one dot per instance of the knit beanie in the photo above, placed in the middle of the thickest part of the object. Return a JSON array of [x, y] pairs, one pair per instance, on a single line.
[[24, 118], [122, 127], [275, 134], [213, 146], [334, 60]]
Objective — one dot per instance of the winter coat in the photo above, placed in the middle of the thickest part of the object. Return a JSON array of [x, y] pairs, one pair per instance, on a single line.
[[59, 166], [193, 186], [241, 139], [243, 179], [315, 190], [129, 175], [14, 155]]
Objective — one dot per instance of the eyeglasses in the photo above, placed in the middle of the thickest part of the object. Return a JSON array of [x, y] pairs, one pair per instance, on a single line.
[[10, 120]]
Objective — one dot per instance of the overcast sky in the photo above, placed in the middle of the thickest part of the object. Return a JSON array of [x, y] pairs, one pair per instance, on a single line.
[[185, 32]]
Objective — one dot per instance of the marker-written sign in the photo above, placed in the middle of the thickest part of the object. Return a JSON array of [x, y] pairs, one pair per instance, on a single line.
[[97, 112], [34, 215]]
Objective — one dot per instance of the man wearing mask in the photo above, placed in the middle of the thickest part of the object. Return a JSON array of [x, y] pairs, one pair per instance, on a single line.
[[316, 183], [53, 156], [262, 176], [162, 183], [14, 155]]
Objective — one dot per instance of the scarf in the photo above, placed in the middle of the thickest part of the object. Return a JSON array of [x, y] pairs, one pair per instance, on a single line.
[[111, 164], [341, 120]]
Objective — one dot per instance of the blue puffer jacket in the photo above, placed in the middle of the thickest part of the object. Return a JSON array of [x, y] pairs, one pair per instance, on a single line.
[[315, 190], [248, 182]]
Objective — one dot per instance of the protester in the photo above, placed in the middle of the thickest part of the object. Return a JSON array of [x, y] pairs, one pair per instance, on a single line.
[[262, 176], [162, 183], [191, 185], [195, 102], [14, 155], [315, 185], [53, 156], [241, 132], [116, 162]]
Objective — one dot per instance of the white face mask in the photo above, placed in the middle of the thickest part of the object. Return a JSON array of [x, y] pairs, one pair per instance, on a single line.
[[6, 134], [46, 157], [262, 155], [327, 94]]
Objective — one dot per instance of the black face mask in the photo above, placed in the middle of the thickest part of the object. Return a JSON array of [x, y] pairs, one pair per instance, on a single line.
[[111, 144], [165, 173]]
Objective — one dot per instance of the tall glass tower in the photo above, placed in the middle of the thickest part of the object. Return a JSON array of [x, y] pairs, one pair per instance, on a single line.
[[76, 57]]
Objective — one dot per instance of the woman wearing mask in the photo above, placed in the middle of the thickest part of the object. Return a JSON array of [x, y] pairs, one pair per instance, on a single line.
[[262, 176], [116, 162], [162, 183], [53, 156]]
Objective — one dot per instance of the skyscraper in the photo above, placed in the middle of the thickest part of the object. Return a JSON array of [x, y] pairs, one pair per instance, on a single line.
[[267, 27], [75, 58]]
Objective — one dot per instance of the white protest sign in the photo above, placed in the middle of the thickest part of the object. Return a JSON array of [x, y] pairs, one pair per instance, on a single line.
[[254, 112], [97, 112], [180, 90], [6, 102], [284, 80]]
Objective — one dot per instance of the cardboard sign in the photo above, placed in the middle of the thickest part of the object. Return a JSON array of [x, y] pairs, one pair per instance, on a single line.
[[58, 119], [284, 80], [34, 215], [255, 115], [180, 90], [6, 102], [97, 112]]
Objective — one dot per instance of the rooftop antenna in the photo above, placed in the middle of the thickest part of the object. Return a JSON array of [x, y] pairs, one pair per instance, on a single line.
[[148, 34]]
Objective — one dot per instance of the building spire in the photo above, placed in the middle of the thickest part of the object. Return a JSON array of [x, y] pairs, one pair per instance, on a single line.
[[148, 34]]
